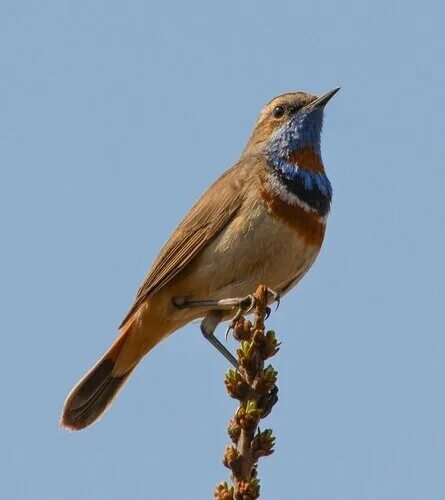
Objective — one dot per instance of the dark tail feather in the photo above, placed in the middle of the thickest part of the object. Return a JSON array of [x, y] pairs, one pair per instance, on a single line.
[[95, 392], [91, 397]]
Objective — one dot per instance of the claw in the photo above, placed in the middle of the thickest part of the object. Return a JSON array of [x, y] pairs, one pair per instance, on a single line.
[[276, 297], [226, 333], [268, 311], [245, 306], [252, 303]]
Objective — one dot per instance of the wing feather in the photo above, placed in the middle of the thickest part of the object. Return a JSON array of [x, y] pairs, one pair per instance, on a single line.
[[211, 213]]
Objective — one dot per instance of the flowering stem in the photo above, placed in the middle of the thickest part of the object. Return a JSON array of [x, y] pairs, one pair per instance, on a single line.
[[254, 386]]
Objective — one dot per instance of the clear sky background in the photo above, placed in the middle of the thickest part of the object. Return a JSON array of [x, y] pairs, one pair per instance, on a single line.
[[115, 116]]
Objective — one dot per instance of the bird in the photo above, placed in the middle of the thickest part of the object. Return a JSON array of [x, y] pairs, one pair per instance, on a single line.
[[262, 221]]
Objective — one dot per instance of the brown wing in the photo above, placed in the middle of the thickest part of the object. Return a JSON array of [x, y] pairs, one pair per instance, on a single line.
[[206, 219]]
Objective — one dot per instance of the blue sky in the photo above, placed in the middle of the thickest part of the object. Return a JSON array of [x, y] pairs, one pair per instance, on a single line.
[[114, 117]]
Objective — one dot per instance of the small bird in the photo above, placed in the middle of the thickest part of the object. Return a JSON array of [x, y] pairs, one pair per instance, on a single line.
[[262, 221]]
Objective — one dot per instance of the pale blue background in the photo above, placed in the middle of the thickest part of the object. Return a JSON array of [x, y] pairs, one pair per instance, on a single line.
[[115, 116]]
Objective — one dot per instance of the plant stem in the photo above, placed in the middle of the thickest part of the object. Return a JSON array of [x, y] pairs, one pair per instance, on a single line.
[[254, 386]]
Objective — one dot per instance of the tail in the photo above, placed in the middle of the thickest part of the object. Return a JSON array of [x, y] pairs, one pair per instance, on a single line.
[[95, 392]]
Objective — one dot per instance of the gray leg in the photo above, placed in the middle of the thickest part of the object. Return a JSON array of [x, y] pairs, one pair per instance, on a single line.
[[208, 327], [214, 316], [241, 302], [244, 304]]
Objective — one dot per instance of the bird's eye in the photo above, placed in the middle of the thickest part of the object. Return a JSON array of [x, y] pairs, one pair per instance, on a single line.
[[279, 111]]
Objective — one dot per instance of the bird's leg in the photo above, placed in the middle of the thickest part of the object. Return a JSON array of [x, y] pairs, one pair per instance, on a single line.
[[208, 327], [242, 310], [244, 304]]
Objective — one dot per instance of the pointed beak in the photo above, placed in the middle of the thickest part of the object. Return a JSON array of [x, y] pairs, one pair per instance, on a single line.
[[323, 100]]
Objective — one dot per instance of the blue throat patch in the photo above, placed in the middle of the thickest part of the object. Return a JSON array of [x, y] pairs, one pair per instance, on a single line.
[[300, 131]]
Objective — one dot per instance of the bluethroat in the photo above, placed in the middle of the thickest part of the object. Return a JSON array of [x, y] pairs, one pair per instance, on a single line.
[[262, 221]]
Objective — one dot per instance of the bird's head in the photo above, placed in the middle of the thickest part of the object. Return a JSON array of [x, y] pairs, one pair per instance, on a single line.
[[287, 133], [290, 125]]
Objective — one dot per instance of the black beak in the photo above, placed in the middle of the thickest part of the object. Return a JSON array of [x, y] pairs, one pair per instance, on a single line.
[[323, 100]]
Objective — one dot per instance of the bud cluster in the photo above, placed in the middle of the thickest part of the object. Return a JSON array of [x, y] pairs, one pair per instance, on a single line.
[[254, 386]]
